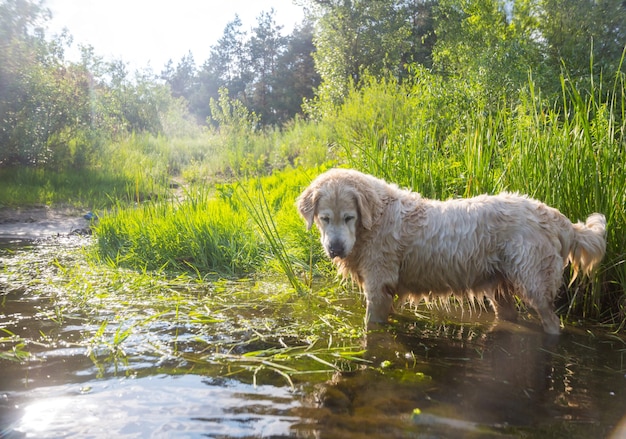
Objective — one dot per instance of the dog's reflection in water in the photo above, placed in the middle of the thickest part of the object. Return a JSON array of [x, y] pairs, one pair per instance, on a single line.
[[457, 376]]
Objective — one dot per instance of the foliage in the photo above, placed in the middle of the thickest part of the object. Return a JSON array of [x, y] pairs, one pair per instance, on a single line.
[[581, 36], [136, 168], [142, 167], [354, 37], [492, 45], [497, 44], [58, 114], [399, 131], [489, 43]]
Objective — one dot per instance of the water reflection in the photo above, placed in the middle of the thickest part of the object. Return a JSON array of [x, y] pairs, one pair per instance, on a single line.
[[477, 380]]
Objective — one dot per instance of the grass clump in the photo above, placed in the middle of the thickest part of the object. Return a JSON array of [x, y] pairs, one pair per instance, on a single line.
[[230, 229], [199, 234]]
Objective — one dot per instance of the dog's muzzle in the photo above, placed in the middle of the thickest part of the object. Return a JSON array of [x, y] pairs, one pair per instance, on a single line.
[[336, 249]]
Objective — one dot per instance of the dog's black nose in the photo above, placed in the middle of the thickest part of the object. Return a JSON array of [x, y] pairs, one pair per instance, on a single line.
[[336, 249]]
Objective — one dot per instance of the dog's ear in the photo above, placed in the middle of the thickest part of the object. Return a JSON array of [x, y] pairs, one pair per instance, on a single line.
[[369, 204], [307, 204]]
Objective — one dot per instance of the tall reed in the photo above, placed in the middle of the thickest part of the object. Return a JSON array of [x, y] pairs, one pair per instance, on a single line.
[[261, 213]]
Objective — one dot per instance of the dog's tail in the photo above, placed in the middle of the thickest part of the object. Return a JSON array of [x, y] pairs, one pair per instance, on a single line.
[[589, 244]]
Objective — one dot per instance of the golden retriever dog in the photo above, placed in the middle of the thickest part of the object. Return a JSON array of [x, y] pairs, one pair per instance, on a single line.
[[395, 242]]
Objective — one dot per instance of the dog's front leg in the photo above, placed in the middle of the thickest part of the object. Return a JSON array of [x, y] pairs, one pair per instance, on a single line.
[[379, 301]]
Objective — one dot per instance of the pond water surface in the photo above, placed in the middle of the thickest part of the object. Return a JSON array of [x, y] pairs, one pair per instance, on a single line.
[[453, 374]]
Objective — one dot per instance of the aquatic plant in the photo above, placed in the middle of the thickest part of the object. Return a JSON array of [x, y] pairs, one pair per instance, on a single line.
[[17, 346]]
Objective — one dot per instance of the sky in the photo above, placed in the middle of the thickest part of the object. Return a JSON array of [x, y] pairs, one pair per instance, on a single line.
[[148, 33]]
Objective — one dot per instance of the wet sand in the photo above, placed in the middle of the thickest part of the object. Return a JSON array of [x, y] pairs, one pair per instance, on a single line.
[[38, 222]]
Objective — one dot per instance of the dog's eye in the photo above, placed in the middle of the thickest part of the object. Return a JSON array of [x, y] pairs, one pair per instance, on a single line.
[[348, 218], [325, 219]]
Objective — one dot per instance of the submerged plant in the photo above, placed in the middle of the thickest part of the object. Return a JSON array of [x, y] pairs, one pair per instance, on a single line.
[[16, 347], [134, 319]]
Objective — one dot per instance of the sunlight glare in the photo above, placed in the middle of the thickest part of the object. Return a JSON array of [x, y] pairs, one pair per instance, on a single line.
[[41, 415]]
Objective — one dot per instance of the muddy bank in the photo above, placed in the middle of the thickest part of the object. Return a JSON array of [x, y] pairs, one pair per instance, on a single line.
[[36, 222]]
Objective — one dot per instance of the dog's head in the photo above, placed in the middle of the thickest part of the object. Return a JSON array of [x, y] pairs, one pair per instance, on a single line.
[[339, 202]]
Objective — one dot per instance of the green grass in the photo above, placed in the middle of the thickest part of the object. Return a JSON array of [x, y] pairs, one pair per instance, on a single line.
[[231, 229], [199, 234], [90, 189], [144, 166]]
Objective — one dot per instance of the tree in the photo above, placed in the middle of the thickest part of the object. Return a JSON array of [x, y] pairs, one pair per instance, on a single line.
[[43, 102], [54, 113], [228, 64], [422, 38], [295, 78], [20, 43], [496, 44], [358, 35], [491, 44], [578, 34], [227, 67], [265, 46], [182, 79], [267, 72], [21, 21]]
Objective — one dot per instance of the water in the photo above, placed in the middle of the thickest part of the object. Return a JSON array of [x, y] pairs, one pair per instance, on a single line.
[[453, 374], [153, 406]]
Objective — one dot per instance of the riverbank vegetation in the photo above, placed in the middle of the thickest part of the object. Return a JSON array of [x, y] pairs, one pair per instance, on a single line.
[[193, 172]]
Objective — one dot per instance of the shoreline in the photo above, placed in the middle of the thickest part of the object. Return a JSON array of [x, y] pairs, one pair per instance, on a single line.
[[35, 222]]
